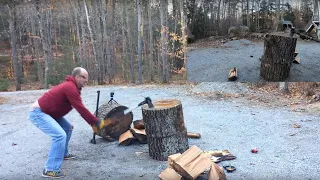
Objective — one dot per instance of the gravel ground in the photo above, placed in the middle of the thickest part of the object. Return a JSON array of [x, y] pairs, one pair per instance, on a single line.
[[232, 123], [214, 64]]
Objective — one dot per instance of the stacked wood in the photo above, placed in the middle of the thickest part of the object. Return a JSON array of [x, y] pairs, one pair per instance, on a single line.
[[170, 174], [216, 173], [126, 138], [233, 74], [140, 134], [165, 129], [192, 163], [171, 158], [277, 58]]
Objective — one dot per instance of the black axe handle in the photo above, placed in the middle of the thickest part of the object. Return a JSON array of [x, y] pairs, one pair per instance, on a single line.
[[93, 140]]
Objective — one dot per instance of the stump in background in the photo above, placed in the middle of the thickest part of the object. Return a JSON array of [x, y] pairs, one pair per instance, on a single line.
[[277, 58], [165, 129]]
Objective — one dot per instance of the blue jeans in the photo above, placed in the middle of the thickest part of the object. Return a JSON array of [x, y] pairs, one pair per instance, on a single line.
[[59, 130]]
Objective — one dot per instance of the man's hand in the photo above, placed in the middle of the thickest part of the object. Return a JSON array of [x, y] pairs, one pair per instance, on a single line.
[[96, 127]]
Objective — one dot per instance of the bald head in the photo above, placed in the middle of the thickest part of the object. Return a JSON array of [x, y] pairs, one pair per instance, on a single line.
[[78, 71]]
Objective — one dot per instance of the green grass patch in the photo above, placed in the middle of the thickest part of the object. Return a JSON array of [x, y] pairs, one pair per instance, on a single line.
[[4, 84]]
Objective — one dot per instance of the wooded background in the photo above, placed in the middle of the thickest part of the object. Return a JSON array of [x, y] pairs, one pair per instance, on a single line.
[[137, 41]]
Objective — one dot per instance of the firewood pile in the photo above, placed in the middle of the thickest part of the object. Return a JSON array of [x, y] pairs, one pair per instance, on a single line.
[[190, 165], [138, 132]]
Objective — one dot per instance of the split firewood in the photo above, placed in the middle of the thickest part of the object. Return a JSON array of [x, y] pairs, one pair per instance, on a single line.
[[138, 124], [169, 174], [192, 163], [296, 53], [125, 138], [233, 74], [296, 60], [171, 158], [218, 156], [217, 153], [193, 135], [140, 134], [216, 173]]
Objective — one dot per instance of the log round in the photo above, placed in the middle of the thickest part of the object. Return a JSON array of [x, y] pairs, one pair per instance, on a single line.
[[115, 121], [165, 129], [277, 58]]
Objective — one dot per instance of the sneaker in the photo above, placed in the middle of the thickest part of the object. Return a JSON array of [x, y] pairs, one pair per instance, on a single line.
[[53, 174], [69, 156]]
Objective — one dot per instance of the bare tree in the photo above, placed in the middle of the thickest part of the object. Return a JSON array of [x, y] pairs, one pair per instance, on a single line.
[[36, 48], [164, 29], [16, 62], [140, 35], [44, 17], [151, 54]]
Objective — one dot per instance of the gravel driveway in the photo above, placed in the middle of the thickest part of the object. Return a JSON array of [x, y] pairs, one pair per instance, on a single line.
[[232, 123], [214, 64]]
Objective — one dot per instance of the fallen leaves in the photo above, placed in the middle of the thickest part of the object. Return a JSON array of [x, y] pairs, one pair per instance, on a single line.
[[3, 100], [295, 125]]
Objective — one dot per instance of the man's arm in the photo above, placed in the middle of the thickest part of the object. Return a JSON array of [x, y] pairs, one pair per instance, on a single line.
[[74, 98]]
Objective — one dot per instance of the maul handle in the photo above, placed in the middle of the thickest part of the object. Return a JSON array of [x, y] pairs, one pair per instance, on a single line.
[[97, 103]]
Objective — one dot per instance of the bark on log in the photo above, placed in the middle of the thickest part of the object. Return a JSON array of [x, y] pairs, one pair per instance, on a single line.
[[116, 123], [165, 129], [277, 59]]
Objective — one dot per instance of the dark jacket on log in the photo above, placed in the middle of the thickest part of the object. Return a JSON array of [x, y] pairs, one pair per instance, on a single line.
[[60, 100]]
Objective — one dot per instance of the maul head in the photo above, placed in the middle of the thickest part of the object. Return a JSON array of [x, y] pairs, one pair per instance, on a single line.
[[148, 101]]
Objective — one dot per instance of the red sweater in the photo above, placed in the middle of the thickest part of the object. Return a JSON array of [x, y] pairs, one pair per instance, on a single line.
[[60, 100]]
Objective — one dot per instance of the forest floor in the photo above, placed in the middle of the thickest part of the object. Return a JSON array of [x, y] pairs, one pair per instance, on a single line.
[[232, 116], [210, 60]]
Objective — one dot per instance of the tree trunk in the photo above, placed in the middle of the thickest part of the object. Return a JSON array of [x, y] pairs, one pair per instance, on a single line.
[[140, 34], [92, 41], [183, 31], [124, 57], [130, 45], [36, 48], [45, 34], [83, 36], [151, 57], [165, 129], [76, 15], [13, 35], [278, 56], [105, 41], [164, 30]]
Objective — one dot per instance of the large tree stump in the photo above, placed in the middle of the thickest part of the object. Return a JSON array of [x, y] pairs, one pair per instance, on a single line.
[[116, 123], [277, 59], [165, 129]]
